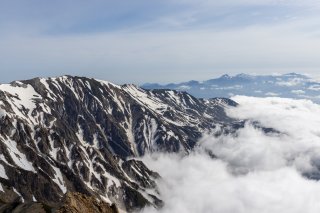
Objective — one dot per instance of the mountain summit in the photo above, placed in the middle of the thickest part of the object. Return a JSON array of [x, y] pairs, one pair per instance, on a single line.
[[79, 135]]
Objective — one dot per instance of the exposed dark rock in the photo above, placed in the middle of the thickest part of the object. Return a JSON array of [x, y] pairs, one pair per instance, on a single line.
[[73, 134]]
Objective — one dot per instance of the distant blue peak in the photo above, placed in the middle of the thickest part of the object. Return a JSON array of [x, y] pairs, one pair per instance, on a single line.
[[243, 75], [241, 78], [192, 82], [226, 76], [293, 74]]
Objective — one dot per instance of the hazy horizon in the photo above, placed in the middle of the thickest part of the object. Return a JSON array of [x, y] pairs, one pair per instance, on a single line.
[[163, 41], [313, 77]]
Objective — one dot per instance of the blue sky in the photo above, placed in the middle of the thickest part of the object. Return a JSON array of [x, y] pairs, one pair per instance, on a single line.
[[157, 41]]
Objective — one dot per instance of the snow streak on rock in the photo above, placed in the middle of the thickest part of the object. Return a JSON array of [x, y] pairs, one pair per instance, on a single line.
[[78, 134]]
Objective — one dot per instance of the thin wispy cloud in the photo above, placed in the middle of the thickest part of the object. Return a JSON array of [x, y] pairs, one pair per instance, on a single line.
[[181, 38]]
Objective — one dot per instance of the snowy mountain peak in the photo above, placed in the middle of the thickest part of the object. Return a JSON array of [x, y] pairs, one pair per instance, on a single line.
[[76, 134], [225, 76]]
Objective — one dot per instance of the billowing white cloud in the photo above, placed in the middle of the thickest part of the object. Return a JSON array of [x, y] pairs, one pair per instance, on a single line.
[[254, 171]]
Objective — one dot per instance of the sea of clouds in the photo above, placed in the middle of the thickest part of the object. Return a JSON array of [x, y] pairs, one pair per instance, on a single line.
[[254, 171]]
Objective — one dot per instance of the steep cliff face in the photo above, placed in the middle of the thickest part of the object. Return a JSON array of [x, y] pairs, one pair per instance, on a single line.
[[72, 134]]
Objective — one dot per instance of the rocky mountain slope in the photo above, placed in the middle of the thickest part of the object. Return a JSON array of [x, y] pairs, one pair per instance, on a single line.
[[291, 85], [74, 202], [73, 134]]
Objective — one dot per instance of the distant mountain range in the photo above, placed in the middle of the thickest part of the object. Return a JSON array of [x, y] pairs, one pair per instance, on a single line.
[[291, 85]]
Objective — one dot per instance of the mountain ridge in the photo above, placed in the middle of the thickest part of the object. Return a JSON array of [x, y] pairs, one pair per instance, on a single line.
[[290, 85], [76, 134]]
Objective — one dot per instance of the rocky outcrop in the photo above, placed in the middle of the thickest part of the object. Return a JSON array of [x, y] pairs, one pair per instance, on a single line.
[[80, 203], [73, 203]]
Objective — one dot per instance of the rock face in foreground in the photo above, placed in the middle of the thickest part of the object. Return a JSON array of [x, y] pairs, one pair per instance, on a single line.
[[73, 203], [72, 134], [79, 203]]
